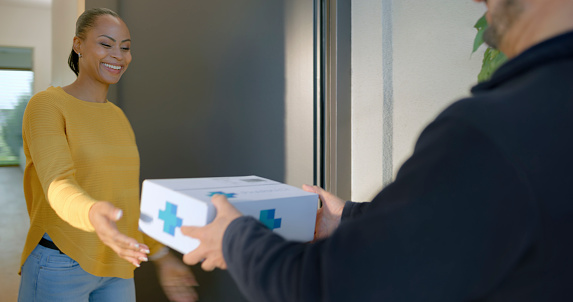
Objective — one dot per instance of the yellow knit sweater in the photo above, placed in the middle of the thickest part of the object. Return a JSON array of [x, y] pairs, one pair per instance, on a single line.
[[77, 153]]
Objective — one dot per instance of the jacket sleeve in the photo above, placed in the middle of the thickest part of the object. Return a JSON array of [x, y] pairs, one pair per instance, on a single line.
[[455, 222], [45, 135], [354, 209]]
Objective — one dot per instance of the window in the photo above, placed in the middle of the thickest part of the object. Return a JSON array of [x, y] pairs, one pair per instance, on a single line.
[[16, 80]]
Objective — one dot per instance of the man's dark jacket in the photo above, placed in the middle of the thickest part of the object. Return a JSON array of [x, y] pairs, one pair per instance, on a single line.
[[482, 211]]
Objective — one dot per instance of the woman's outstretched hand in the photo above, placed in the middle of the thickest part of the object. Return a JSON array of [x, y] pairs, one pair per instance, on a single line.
[[103, 216]]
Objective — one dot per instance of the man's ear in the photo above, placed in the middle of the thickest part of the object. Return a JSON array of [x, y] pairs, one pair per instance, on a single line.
[[77, 45]]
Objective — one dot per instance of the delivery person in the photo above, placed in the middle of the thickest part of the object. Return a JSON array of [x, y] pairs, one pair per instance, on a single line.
[[481, 211]]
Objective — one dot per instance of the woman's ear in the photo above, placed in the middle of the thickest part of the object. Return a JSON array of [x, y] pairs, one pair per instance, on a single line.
[[77, 45]]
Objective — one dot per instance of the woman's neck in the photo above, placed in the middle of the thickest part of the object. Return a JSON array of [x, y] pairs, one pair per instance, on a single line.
[[88, 91]]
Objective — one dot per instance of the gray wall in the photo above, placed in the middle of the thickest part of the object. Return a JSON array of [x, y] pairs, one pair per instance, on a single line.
[[205, 95], [205, 92]]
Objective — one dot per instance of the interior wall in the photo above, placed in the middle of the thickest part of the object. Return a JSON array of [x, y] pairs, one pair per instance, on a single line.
[[26, 26], [205, 91], [433, 65], [366, 98], [410, 60], [63, 27]]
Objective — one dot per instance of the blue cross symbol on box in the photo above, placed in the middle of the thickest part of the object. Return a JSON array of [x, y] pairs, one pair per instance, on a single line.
[[267, 217], [169, 216], [228, 195]]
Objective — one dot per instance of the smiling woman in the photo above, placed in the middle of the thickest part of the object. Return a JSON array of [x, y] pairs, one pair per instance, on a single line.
[[82, 174]]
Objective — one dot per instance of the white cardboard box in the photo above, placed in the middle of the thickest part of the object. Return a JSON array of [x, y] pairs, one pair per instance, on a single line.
[[168, 204]]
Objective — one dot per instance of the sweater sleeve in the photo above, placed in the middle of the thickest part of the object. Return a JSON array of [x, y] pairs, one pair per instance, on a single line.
[[44, 131], [455, 223]]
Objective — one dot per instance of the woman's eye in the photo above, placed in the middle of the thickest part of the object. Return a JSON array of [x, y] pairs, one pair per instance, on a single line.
[[125, 48], [105, 45]]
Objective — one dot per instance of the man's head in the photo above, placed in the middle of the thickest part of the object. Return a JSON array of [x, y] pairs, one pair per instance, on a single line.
[[515, 25], [501, 16]]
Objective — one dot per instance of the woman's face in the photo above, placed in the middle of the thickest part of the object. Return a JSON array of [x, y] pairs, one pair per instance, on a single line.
[[105, 50]]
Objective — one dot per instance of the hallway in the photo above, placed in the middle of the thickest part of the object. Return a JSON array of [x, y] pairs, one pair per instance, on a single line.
[[13, 228]]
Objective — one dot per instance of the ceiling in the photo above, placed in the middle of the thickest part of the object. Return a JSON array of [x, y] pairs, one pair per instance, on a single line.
[[29, 3]]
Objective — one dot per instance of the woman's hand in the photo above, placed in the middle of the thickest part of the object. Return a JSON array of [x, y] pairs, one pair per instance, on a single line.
[[103, 216], [328, 216], [176, 279]]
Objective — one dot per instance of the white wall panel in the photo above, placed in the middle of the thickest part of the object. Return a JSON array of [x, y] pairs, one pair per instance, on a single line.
[[410, 60]]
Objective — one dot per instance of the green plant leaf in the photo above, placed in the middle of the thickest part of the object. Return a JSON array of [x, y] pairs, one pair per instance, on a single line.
[[481, 26], [492, 58], [481, 22]]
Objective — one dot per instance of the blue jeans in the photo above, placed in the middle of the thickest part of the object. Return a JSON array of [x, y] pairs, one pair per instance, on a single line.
[[48, 275]]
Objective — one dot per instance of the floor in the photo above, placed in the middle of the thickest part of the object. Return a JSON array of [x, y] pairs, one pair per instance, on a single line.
[[13, 228]]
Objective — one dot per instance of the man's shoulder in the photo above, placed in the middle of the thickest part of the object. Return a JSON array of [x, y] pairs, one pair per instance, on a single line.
[[473, 109]]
